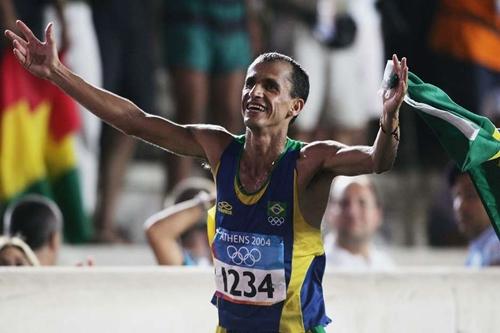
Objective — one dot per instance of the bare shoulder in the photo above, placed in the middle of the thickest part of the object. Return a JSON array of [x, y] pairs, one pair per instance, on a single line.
[[334, 158], [318, 149], [311, 160], [313, 155], [213, 139]]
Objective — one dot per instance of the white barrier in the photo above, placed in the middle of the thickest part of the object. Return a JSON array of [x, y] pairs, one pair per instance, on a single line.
[[154, 299], [142, 255]]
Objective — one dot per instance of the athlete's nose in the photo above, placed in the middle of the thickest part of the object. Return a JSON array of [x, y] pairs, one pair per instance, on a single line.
[[256, 91]]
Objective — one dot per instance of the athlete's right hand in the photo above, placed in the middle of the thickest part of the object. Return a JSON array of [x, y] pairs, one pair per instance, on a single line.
[[39, 58]]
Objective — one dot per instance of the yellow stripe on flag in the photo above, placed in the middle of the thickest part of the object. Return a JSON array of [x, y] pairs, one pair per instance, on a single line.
[[23, 137], [496, 135], [60, 156]]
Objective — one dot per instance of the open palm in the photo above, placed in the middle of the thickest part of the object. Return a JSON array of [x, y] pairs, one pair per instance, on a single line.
[[393, 98], [39, 58]]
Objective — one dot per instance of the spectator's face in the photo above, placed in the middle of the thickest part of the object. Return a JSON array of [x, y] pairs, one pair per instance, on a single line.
[[13, 256], [469, 211], [266, 99], [355, 214]]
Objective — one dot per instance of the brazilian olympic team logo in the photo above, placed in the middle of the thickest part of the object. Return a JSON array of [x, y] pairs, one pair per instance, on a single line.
[[276, 213], [243, 255]]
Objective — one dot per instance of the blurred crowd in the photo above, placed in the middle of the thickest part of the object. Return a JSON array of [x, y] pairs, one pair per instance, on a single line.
[[62, 169]]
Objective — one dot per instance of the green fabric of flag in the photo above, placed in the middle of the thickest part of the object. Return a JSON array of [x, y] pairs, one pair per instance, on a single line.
[[472, 141]]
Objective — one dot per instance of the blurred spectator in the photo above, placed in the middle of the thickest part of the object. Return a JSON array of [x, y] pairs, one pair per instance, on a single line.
[[207, 48], [178, 234], [491, 106], [125, 34], [467, 65], [473, 221], [38, 221], [31, 12], [82, 56], [344, 49], [442, 228], [38, 126], [15, 252], [352, 217]]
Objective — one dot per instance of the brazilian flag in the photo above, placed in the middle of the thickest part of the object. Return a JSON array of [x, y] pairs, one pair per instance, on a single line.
[[472, 141]]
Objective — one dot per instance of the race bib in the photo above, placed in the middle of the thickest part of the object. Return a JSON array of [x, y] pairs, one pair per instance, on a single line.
[[249, 268]]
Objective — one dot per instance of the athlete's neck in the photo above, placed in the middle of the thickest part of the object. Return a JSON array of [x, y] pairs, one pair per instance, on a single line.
[[262, 149], [259, 156]]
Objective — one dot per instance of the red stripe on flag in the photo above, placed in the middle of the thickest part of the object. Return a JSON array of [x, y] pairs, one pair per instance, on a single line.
[[18, 84]]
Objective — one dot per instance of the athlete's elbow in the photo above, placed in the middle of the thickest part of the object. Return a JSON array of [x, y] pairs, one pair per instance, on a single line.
[[130, 122]]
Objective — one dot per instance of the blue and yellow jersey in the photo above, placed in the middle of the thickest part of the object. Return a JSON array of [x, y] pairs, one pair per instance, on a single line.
[[269, 262]]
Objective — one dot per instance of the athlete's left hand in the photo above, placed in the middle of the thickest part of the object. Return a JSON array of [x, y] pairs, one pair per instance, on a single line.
[[39, 58], [393, 97]]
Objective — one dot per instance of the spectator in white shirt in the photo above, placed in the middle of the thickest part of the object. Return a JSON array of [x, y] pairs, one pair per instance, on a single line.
[[352, 218]]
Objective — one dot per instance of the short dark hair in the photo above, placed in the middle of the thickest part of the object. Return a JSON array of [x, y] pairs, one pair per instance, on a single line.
[[34, 219], [453, 173], [300, 78]]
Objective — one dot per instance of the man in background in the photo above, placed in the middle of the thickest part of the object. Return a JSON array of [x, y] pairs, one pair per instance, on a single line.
[[37, 221], [473, 221], [353, 217]]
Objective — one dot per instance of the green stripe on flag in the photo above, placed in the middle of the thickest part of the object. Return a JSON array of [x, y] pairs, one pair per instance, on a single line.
[[66, 191], [486, 178], [472, 141]]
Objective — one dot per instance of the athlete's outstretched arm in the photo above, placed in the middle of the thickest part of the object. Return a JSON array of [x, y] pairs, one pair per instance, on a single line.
[[41, 59], [353, 160]]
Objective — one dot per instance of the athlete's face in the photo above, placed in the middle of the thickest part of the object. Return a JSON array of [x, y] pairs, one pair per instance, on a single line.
[[469, 211], [355, 214], [266, 99]]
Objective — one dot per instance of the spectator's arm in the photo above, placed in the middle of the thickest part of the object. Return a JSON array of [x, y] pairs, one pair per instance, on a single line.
[[164, 228], [253, 7], [493, 251], [7, 15], [59, 8]]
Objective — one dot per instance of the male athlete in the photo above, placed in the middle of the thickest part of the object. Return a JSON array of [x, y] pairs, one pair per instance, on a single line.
[[271, 190]]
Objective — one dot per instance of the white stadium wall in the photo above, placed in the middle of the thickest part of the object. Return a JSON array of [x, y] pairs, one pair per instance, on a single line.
[[154, 299]]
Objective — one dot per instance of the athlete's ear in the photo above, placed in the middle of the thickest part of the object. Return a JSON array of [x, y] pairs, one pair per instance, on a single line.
[[296, 106]]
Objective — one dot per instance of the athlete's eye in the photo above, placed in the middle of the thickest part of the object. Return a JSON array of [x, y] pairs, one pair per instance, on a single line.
[[250, 82], [272, 85]]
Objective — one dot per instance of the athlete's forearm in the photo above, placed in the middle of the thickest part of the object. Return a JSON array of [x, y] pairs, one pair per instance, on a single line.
[[124, 115], [386, 143], [113, 109]]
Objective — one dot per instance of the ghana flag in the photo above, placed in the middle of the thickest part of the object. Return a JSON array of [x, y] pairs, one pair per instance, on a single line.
[[472, 141], [37, 155]]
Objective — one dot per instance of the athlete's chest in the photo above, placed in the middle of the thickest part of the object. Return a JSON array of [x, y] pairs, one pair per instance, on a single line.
[[252, 182]]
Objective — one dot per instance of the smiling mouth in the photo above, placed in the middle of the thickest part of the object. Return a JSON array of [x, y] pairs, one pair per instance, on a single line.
[[256, 107]]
